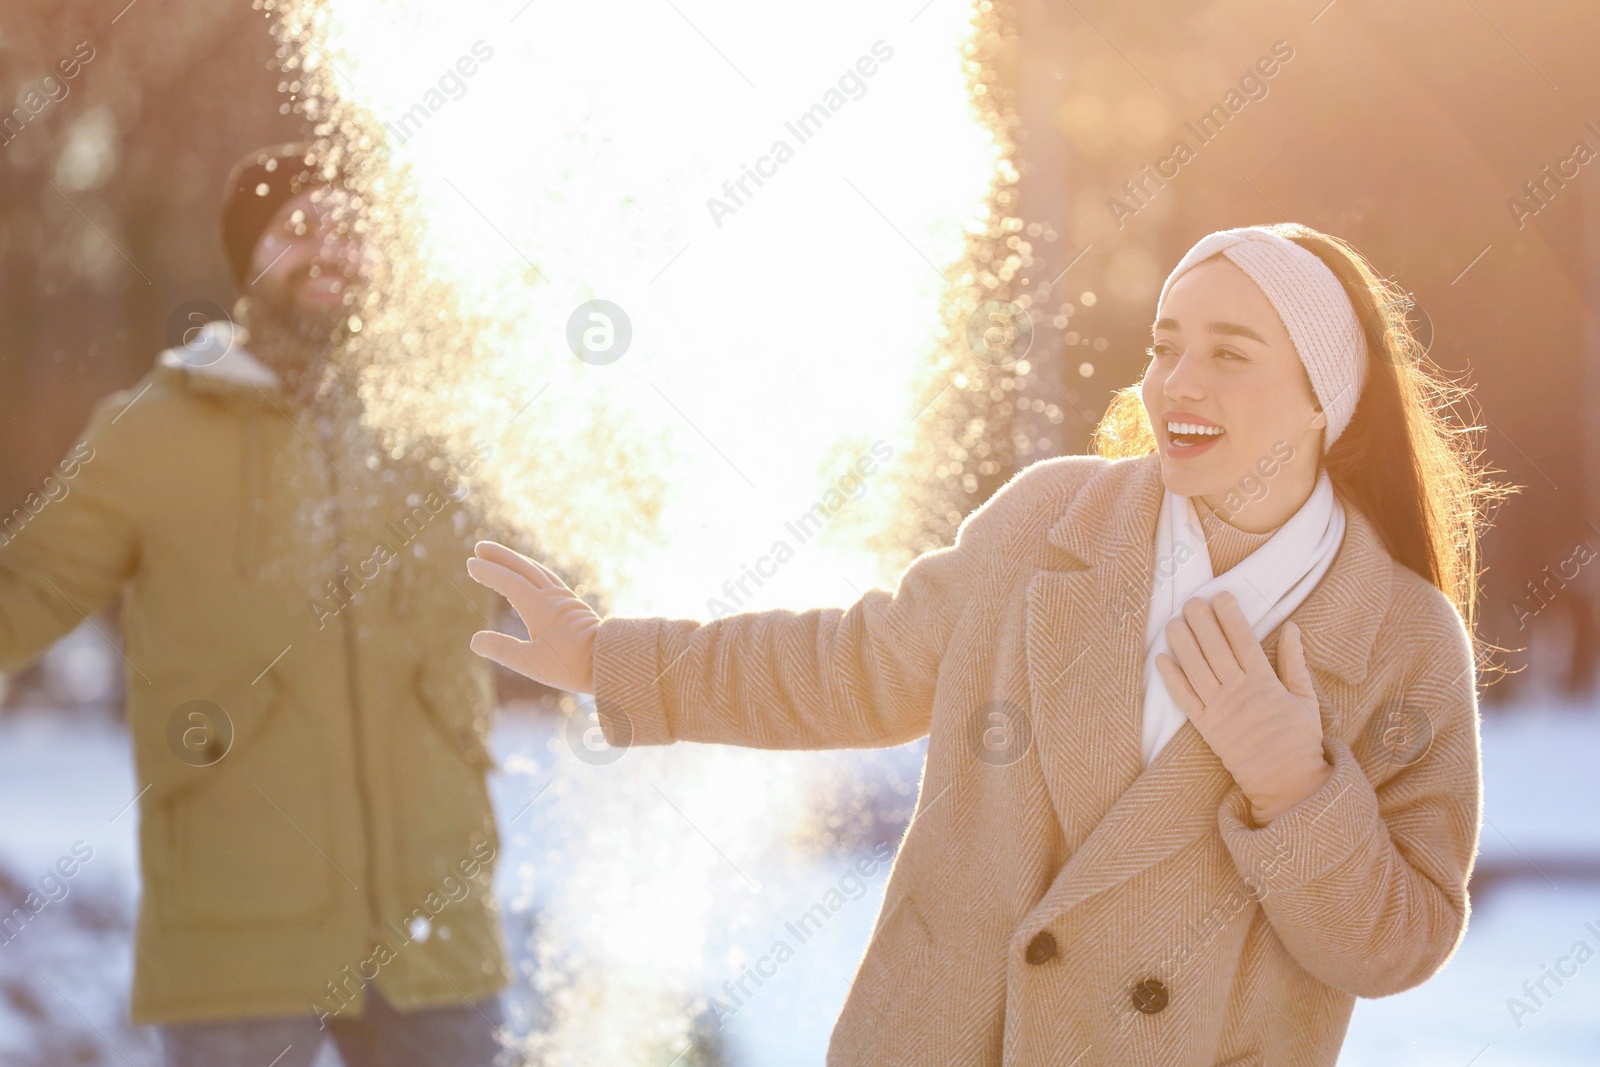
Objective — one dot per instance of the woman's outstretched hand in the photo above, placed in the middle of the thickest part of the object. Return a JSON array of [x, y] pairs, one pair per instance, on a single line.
[[1266, 730], [561, 626]]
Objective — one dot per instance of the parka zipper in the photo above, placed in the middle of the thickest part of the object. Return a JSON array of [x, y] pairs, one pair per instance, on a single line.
[[252, 488], [347, 628]]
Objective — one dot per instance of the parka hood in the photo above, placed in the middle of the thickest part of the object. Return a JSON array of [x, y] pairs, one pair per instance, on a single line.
[[216, 360]]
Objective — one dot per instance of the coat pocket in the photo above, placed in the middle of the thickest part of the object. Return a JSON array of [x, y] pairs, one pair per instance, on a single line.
[[245, 840], [883, 1020], [441, 753], [458, 704], [897, 959], [181, 741]]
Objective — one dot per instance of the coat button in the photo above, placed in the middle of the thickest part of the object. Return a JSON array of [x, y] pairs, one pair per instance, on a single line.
[[1042, 949], [1150, 996]]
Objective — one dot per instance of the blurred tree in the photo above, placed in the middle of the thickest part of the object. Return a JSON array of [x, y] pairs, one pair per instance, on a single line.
[[119, 127]]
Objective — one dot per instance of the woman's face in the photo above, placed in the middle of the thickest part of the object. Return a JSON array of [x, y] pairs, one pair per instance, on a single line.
[[1235, 419]]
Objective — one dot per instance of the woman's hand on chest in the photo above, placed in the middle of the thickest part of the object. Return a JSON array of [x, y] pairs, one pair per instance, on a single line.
[[1266, 729]]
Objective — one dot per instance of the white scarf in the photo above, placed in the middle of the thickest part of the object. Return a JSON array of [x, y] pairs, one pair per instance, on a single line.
[[1269, 584]]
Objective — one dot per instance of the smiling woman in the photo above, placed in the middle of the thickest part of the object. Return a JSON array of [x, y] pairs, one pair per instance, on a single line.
[[1404, 456], [1175, 721], [1247, 377]]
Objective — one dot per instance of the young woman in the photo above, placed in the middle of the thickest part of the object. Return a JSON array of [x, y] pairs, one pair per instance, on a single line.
[[1203, 739]]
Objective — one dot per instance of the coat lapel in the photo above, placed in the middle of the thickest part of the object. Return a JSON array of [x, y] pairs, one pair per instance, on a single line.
[[1085, 642], [1086, 613]]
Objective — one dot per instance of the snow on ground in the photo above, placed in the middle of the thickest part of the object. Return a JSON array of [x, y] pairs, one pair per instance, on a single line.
[[65, 778], [1541, 802]]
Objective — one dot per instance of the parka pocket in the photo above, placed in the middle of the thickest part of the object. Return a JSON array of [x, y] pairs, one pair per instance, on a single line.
[[182, 741], [243, 840], [458, 704], [442, 756]]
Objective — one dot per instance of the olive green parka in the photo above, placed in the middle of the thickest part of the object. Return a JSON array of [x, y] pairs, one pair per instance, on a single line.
[[309, 726]]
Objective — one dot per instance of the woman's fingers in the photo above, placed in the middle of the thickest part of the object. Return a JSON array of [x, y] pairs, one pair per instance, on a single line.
[[512, 560], [515, 561], [540, 607], [524, 596], [1188, 656], [1241, 637], [540, 660], [1183, 693], [1208, 635], [510, 653], [537, 605], [561, 627], [1292, 668]]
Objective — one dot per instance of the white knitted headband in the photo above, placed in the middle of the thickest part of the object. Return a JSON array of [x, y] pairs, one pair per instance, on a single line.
[[1312, 305]]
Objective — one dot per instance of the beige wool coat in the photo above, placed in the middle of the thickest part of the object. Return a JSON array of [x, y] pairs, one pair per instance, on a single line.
[[1051, 903]]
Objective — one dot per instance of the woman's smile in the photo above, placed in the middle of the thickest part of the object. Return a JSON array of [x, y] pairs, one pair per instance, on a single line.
[[1187, 435], [1218, 346]]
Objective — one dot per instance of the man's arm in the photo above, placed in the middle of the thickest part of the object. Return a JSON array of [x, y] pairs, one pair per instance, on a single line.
[[69, 546]]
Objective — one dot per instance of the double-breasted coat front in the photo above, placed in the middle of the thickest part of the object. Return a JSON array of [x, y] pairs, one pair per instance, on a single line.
[[1053, 902]]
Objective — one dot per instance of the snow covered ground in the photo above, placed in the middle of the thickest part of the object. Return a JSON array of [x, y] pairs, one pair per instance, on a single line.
[[63, 977]]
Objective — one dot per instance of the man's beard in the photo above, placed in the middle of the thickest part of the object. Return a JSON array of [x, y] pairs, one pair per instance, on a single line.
[[297, 341]]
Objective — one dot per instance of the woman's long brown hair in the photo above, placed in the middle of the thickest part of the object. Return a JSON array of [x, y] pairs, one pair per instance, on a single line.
[[1407, 459]]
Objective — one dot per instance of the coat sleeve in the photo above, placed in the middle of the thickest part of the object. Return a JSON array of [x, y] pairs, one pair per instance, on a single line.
[[1367, 887], [70, 546], [855, 677]]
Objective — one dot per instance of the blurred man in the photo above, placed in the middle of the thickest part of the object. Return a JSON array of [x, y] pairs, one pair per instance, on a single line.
[[309, 725]]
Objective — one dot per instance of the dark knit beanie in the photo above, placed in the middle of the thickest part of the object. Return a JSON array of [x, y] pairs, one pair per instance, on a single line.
[[259, 184]]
